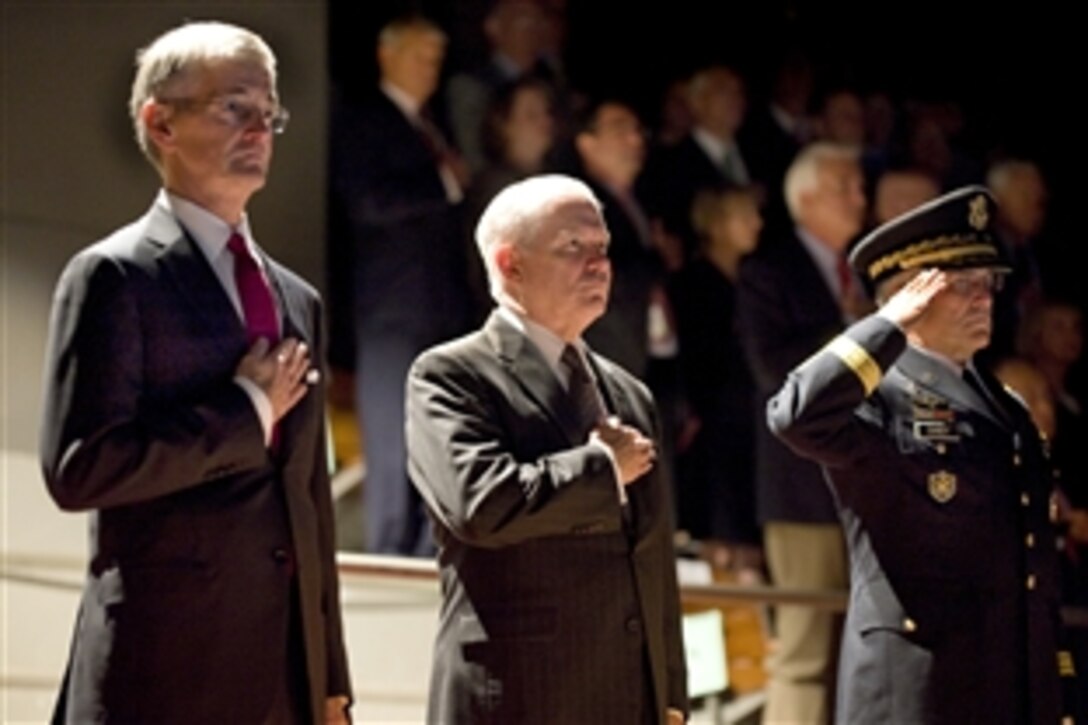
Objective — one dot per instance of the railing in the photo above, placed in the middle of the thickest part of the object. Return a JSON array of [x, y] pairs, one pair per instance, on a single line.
[[65, 573]]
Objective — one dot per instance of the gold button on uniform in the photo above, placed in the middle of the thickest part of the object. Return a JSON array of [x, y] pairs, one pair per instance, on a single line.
[[909, 625], [1031, 582], [1016, 459], [1029, 540], [1025, 500]]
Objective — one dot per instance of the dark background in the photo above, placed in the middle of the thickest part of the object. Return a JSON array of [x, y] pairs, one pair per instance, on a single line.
[[1011, 68]]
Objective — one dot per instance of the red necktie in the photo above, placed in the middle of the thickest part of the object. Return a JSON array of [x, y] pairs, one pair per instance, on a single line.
[[257, 303], [846, 278]]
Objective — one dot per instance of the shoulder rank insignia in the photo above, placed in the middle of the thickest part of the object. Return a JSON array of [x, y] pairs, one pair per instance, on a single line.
[[942, 486]]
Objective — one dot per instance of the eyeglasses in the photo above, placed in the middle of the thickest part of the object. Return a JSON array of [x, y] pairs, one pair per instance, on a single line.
[[967, 284], [238, 112]]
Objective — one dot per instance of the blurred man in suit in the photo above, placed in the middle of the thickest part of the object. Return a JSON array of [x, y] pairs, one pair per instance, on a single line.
[[182, 411], [400, 186], [709, 157], [536, 459], [942, 483], [792, 298]]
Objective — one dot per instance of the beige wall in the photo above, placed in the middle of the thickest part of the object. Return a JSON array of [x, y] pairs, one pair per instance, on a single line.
[[70, 171]]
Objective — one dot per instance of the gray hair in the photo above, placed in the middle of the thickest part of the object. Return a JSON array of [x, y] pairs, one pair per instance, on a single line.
[[170, 59], [803, 175], [1002, 173], [515, 215]]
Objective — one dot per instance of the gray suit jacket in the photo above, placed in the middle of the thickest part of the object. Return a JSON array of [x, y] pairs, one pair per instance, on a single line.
[[198, 534], [555, 609]]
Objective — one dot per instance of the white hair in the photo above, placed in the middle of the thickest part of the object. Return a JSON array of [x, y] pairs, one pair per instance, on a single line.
[[1002, 173], [803, 176], [171, 58], [515, 214]]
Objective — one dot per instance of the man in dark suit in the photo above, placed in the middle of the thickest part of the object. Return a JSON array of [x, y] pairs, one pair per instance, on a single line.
[[941, 482], [709, 157], [536, 459], [194, 438], [400, 187], [791, 300]]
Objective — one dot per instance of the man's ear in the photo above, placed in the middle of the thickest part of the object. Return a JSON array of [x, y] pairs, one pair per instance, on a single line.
[[508, 261], [156, 120]]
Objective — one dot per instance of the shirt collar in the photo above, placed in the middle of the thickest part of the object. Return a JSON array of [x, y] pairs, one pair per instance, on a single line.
[[714, 147], [940, 359], [208, 231], [826, 258], [409, 106], [547, 342]]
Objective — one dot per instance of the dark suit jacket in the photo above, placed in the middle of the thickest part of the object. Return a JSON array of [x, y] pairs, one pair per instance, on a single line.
[[622, 333], [785, 312], [399, 233], [196, 528], [673, 177], [944, 499], [552, 608]]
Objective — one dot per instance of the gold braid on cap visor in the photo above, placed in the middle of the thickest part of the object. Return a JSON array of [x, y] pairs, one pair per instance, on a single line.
[[945, 248]]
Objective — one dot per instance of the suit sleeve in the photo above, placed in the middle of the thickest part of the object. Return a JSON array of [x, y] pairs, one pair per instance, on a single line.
[[772, 340], [103, 443], [814, 410], [462, 461]]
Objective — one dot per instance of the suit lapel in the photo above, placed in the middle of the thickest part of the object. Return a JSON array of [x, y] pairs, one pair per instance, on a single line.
[[528, 367], [941, 380], [194, 280]]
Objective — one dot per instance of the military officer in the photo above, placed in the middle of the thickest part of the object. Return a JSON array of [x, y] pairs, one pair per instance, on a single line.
[[941, 483]]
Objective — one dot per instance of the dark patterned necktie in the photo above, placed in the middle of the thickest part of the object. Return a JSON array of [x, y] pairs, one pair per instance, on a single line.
[[257, 304], [582, 390]]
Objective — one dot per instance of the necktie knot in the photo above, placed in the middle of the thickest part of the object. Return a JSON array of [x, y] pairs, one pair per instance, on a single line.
[[582, 390], [258, 307], [237, 245]]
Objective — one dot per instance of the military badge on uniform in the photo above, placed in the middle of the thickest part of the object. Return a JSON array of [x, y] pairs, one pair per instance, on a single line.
[[977, 215], [942, 486], [933, 420]]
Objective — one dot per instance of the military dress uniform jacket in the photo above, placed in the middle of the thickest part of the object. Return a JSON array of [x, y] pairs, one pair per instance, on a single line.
[[943, 493]]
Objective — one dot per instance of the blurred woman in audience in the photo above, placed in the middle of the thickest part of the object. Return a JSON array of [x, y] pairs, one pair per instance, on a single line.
[[716, 490], [519, 131]]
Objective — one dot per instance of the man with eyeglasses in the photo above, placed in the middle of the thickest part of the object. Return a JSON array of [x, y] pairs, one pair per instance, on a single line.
[[185, 412], [942, 484]]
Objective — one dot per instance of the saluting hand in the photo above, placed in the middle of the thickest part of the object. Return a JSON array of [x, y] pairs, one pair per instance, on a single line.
[[907, 305]]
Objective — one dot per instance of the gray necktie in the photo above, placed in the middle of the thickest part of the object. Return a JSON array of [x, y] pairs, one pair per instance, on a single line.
[[582, 390]]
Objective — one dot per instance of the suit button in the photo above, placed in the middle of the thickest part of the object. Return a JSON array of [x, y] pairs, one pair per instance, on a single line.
[[634, 625], [909, 625], [1025, 500], [1030, 582], [1029, 540], [280, 556]]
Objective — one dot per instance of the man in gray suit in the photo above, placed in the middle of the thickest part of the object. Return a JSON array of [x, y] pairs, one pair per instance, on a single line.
[[182, 411], [536, 460]]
